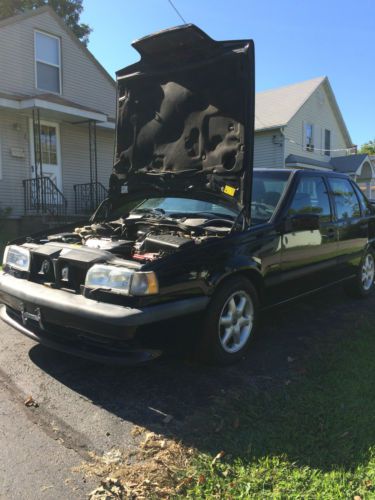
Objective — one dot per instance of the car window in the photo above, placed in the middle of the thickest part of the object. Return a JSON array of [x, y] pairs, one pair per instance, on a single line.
[[311, 197], [268, 187], [346, 201], [365, 204]]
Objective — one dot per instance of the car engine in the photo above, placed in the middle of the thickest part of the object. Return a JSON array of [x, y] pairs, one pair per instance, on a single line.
[[145, 238]]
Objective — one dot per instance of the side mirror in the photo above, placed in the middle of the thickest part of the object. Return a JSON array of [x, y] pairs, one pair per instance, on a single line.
[[302, 222]]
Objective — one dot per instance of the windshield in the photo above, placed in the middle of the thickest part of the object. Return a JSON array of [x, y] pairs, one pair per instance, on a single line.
[[268, 187], [184, 206]]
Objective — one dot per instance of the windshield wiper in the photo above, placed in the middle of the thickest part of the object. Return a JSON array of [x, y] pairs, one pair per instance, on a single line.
[[205, 215], [159, 212]]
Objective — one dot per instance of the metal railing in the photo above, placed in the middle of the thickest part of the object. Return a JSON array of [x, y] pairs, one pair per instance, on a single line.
[[42, 196], [88, 196]]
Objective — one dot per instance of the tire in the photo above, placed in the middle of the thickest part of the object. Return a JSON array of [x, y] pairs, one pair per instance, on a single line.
[[228, 332], [362, 285]]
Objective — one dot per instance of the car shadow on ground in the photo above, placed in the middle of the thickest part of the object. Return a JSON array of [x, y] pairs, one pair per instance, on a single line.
[[172, 385]]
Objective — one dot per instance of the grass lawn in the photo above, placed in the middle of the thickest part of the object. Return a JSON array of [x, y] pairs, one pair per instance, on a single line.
[[312, 436]]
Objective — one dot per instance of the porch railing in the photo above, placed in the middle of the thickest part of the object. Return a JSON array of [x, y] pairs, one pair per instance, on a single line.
[[42, 196], [88, 196]]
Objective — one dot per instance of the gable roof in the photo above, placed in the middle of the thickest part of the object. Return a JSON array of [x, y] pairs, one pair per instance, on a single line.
[[276, 107], [348, 164], [344, 164], [46, 8]]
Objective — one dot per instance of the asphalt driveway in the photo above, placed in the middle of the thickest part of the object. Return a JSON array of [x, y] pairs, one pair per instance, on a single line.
[[85, 407]]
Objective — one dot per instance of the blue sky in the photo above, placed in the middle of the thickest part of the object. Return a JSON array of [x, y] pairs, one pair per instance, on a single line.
[[294, 40]]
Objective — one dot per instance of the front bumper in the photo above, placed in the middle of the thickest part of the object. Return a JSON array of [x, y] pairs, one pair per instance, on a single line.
[[77, 325]]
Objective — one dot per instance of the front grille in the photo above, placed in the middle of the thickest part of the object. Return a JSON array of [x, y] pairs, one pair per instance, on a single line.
[[42, 269], [69, 274], [60, 272]]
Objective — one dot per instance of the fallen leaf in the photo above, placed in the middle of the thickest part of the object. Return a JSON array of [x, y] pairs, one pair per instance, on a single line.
[[218, 457], [31, 402], [287, 382], [290, 359], [236, 423], [44, 488], [201, 479], [112, 457]]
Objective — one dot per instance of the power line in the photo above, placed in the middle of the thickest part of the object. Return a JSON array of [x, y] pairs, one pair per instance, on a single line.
[[177, 11], [347, 150]]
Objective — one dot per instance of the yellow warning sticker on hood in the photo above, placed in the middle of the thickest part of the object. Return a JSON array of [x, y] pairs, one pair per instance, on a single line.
[[229, 190]]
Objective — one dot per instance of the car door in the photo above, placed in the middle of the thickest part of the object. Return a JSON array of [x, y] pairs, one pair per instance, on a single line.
[[309, 257], [352, 225]]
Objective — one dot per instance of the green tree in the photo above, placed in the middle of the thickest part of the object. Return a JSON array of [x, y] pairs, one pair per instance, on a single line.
[[68, 10], [368, 148]]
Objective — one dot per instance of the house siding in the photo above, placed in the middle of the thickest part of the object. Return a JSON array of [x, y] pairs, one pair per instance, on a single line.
[[318, 111], [76, 158], [267, 154], [13, 134], [82, 81]]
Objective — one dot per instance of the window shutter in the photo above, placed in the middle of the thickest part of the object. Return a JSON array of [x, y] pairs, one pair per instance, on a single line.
[[303, 135]]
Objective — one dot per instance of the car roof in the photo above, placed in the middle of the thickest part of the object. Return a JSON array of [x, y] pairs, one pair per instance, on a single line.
[[305, 171]]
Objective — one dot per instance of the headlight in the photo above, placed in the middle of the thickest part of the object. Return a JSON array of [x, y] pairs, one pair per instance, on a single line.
[[121, 280], [17, 257]]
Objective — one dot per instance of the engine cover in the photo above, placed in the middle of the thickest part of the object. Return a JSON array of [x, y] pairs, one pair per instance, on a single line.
[[165, 243]]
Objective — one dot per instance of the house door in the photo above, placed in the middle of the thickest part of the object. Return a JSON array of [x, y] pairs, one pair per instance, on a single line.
[[50, 152]]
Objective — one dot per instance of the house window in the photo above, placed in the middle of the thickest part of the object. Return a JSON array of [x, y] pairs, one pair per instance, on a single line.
[[327, 142], [309, 137], [48, 142], [47, 62]]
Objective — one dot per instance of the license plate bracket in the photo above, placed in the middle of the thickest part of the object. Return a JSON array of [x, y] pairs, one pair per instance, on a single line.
[[31, 313]]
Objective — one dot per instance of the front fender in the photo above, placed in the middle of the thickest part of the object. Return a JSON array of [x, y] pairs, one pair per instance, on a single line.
[[243, 265]]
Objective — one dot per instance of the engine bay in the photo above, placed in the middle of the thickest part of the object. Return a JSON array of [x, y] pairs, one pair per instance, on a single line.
[[146, 237]]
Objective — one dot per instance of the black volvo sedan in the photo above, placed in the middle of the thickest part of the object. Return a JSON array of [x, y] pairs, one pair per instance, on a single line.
[[189, 226]]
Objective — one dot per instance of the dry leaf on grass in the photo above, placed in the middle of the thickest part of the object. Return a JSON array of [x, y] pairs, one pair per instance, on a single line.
[[109, 488], [138, 430], [155, 473], [201, 479], [218, 457], [112, 457]]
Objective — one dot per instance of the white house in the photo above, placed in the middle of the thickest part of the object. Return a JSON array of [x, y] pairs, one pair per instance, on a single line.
[[301, 125], [57, 118]]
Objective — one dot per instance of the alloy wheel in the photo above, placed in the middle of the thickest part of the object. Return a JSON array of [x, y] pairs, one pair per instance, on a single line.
[[368, 272], [236, 322]]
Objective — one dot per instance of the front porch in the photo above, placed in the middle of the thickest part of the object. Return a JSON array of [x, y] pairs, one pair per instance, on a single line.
[[66, 177]]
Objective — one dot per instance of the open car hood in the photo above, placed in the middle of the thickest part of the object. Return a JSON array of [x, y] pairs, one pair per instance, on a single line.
[[185, 120]]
